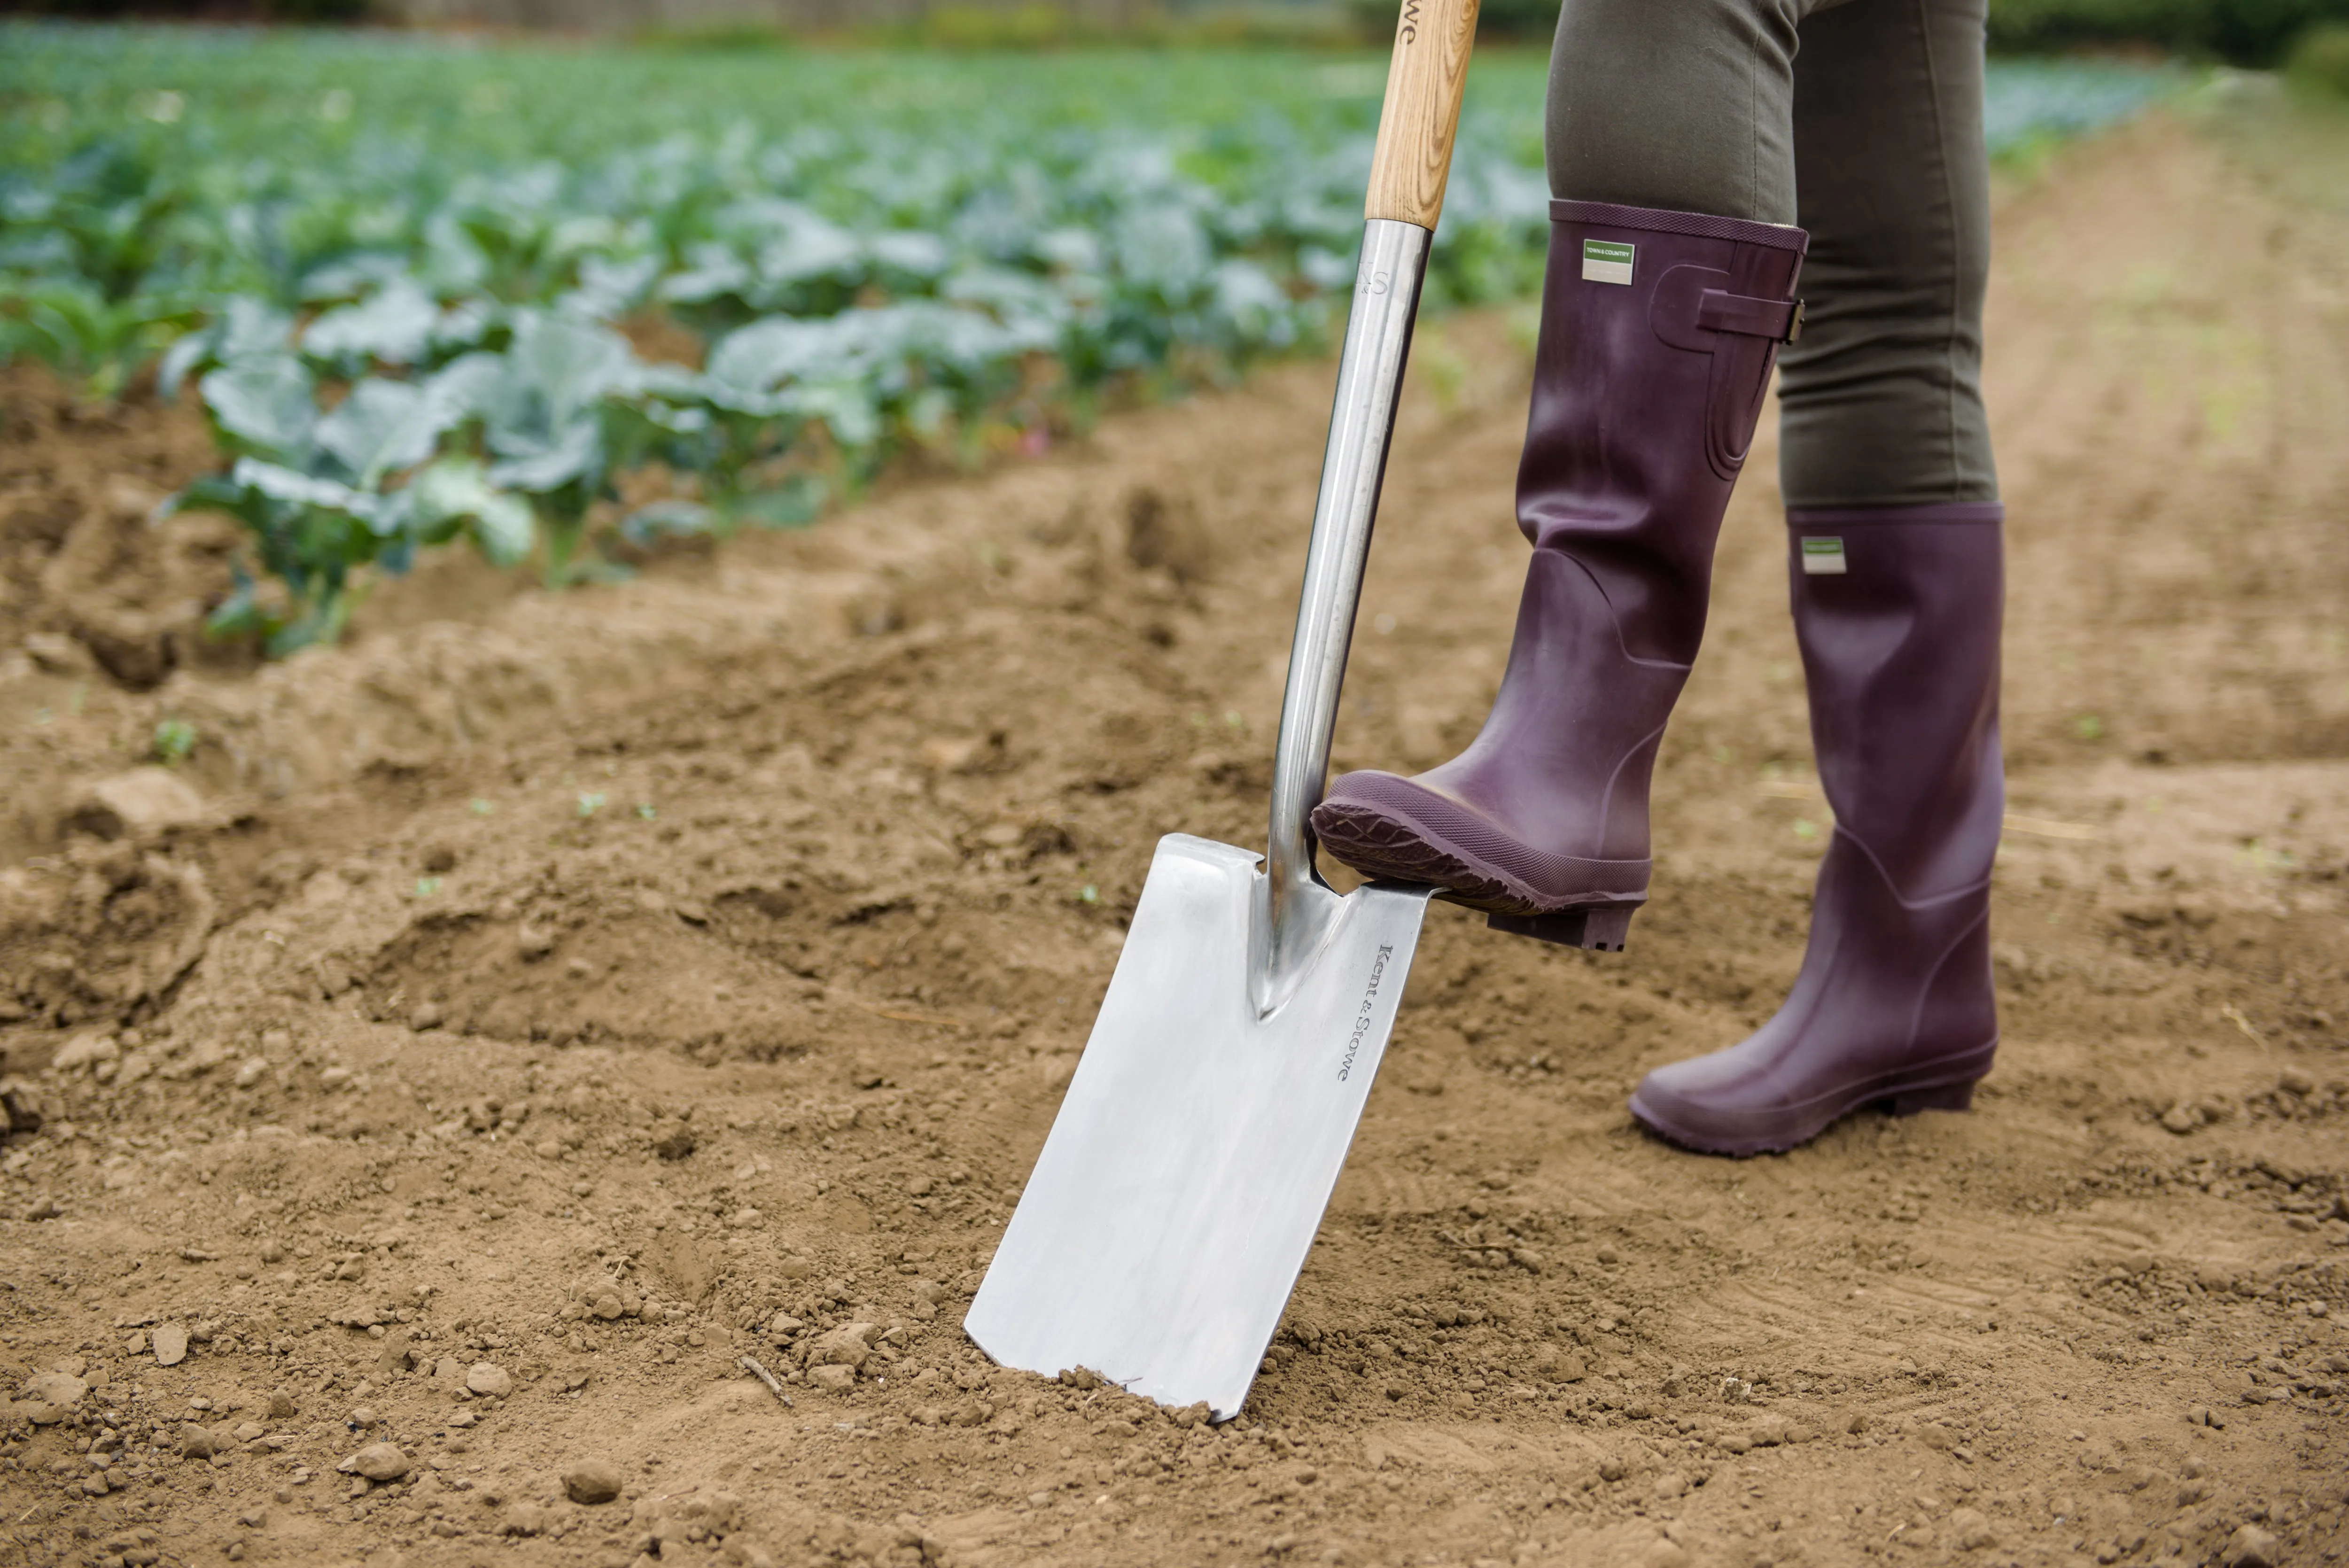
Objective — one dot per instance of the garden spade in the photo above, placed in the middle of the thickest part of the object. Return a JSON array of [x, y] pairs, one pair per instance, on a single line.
[[1161, 1230]]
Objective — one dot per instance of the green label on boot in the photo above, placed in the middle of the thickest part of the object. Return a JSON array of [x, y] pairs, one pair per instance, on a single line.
[[1605, 262], [1823, 558]]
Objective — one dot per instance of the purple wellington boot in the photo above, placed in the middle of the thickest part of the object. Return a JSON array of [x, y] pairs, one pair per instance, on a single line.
[[1659, 330], [1897, 611]]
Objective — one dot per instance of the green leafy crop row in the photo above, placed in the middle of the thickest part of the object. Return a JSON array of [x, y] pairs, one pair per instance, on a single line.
[[406, 276]]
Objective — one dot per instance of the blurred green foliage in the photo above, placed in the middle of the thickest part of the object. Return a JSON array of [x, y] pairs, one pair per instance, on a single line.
[[2240, 32], [2260, 32], [1497, 21], [297, 12], [2322, 61]]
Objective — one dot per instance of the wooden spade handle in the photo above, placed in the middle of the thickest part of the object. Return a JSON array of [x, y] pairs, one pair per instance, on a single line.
[[1432, 39]]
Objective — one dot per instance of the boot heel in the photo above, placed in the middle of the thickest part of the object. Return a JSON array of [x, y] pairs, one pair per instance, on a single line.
[[1945, 1097], [1602, 927]]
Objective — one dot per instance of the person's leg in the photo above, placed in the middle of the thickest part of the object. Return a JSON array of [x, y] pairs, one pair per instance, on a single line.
[[1894, 565], [1670, 285], [1686, 104], [1880, 402]]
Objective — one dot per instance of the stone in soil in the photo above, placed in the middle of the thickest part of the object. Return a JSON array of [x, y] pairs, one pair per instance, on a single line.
[[143, 804], [1970, 1530], [171, 1343], [848, 1345], [490, 1380], [2252, 1547], [377, 1461], [61, 1388], [592, 1480]]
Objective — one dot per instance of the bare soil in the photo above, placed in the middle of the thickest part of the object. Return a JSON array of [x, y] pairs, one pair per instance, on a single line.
[[499, 1028]]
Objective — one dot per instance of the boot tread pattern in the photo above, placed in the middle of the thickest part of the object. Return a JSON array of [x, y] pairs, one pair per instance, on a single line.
[[1377, 846]]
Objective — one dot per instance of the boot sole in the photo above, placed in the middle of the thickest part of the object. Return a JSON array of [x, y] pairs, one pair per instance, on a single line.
[[1377, 846], [1947, 1085]]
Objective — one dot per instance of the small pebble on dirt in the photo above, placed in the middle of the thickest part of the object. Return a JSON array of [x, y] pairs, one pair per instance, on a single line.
[[281, 1405], [171, 1345], [490, 1380], [850, 1345], [377, 1461], [1970, 1529], [61, 1388], [2251, 1547], [592, 1480]]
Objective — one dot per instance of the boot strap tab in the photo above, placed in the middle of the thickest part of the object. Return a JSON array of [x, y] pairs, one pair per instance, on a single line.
[[1776, 319]]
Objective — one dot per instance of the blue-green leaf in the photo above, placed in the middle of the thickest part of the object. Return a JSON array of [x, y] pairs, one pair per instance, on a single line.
[[266, 406], [456, 490], [382, 428], [394, 327], [573, 452]]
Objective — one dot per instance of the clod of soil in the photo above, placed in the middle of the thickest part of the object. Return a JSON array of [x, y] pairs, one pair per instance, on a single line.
[[592, 1480]]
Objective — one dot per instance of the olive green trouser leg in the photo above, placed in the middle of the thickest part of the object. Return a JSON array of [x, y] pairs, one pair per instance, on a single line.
[[1860, 120]]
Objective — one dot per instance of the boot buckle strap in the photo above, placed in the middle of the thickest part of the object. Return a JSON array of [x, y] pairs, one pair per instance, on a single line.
[[1776, 319]]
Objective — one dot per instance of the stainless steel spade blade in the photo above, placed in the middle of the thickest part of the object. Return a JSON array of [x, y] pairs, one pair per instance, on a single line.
[[1167, 1218]]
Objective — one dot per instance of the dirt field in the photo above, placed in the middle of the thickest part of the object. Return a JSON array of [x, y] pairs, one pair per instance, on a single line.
[[499, 1027]]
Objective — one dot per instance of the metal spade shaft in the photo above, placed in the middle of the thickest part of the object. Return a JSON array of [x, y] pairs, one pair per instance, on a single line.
[[1298, 906]]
